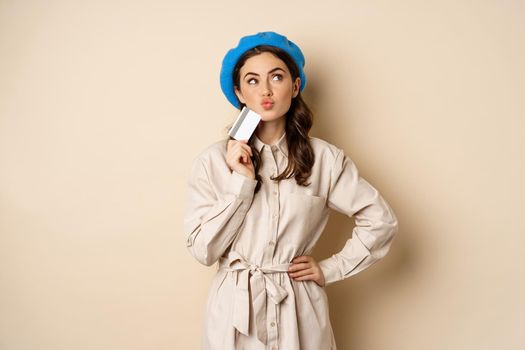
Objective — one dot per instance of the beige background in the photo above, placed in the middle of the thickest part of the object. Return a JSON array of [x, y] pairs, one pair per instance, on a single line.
[[104, 104]]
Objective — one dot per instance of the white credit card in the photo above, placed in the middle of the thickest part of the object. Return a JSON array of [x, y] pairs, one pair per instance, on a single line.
[[245, 124]]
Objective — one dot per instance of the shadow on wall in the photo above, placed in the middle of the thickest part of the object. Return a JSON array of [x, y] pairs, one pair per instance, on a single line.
[[350, 299]]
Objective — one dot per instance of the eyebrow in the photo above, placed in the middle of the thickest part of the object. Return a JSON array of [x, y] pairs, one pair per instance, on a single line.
[[273, 70]]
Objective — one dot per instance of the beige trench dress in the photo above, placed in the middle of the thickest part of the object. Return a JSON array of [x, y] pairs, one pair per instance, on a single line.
[[253, 304]]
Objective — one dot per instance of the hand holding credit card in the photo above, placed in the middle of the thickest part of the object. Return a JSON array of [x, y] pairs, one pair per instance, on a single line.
[[245, 124]]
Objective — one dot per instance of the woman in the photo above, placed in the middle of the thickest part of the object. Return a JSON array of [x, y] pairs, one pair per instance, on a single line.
[[259, 206]]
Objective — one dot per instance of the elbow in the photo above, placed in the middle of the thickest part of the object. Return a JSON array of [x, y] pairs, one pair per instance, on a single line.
[[383, 241], [199, 249], [390, 226], [206, 260], [394, 228], [203, 256], [389, 222], [390, 232]]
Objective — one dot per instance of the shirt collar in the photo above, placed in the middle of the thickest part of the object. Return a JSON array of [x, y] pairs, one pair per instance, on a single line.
[[281, 144]]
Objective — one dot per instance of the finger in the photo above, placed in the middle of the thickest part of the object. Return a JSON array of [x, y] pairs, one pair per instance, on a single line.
[[239, 153], [244, 156], [230, 144], [302, 258], [241, 147], [247, 157], [236, 143], [310, 277], [302, 273], [247, 148], [299, 266]]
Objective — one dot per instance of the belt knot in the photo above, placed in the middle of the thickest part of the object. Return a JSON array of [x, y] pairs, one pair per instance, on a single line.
[[254, 290]]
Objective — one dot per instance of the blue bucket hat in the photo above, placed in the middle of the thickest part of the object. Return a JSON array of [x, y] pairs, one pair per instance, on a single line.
[[249, 42]]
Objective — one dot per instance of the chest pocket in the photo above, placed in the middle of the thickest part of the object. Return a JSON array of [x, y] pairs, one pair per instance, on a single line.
[[309, 209]]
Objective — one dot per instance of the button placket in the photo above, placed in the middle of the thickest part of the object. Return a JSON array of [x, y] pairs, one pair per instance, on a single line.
[[275, 200], [273, 329], [269, 165]]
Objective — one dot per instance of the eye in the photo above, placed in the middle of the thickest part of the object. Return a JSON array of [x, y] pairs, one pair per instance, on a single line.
[[252, 81], [277, 77]]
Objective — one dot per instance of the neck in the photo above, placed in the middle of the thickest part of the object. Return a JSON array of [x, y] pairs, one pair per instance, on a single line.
[[270, 132]]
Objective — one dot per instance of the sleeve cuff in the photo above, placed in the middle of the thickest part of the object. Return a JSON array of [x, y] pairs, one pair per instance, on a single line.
[[330, 270], [241, 186], [343, 265]]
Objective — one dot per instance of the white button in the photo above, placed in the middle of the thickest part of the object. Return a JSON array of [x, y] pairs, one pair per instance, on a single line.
[[275, 215], [272, 324], [271, 243], [275, 192], [274, 148]]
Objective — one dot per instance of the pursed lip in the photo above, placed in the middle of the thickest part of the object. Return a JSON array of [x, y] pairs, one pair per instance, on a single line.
[[267, 102]]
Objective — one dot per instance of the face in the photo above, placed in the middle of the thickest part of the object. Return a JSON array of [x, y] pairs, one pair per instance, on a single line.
[[266, 86]]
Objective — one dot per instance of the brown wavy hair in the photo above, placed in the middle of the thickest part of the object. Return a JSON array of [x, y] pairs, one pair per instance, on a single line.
[[299, 120]]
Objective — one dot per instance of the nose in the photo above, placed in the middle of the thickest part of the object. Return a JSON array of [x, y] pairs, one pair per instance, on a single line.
[[266, 89]]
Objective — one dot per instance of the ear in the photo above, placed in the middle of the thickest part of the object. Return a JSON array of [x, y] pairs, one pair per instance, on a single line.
[[296, 86], [239, 94]]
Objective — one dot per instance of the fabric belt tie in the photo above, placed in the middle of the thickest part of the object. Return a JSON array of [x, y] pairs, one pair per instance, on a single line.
[[260, 285]]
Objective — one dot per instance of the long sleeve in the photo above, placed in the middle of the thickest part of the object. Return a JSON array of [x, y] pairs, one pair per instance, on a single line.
[[375, 222], [212, 219]]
